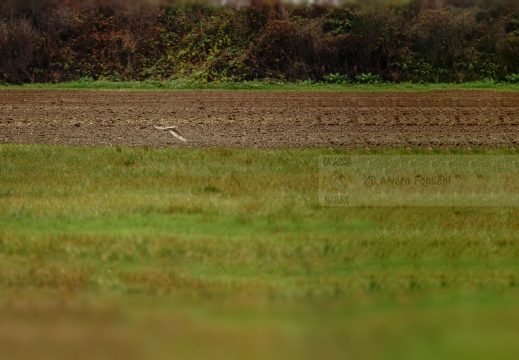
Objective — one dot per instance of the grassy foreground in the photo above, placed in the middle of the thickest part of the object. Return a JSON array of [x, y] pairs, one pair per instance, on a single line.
[[143, 253]]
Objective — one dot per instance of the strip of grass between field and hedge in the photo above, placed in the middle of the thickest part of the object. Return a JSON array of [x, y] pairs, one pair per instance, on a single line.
[[154, 85]]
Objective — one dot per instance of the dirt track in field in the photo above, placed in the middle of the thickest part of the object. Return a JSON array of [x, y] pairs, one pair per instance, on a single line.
[[261, 119]]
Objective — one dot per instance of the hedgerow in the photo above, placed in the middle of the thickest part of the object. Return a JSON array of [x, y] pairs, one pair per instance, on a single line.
[[56, 42]]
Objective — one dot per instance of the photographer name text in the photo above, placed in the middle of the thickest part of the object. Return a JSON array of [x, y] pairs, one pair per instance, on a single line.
[[417, 180]]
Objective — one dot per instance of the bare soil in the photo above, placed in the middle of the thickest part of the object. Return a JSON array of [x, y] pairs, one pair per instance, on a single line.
[[249, 119]]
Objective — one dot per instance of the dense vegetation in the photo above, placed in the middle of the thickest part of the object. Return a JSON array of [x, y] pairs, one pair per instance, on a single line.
[[58, 42]]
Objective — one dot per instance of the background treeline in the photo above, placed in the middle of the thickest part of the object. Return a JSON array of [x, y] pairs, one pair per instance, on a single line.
[[55, 41]]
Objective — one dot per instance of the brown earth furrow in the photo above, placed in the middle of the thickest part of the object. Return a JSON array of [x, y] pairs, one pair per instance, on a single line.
[[241, 119]]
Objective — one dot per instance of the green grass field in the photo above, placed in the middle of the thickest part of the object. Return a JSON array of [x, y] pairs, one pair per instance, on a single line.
[[164, 253], [176, 85]]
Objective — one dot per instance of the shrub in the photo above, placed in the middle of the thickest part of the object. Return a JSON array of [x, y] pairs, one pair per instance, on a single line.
[[47, 41], [18, 43], [512, 78], [337, 78], [368, 78]]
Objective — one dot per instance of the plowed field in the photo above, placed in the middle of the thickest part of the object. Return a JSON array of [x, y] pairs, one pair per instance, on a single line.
[[241, 119]]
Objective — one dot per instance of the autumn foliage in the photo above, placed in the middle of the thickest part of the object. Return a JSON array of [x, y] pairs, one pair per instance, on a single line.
[[57, 42]]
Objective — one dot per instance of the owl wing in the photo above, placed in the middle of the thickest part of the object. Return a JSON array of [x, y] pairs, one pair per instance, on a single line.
[[176, 133]]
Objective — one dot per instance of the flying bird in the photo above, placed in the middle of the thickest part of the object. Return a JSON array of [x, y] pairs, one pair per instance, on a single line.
[[173, 130]]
